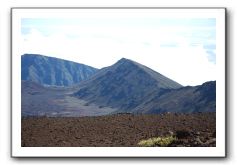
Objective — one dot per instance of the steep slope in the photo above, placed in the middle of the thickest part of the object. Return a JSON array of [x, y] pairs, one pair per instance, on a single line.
[[53, 71], [124, 85], [200, 98]]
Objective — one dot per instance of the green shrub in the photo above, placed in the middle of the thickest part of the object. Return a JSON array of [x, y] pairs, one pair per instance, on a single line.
[[157, 141]]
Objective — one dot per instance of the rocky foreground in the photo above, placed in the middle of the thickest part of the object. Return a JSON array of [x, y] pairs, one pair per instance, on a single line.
[[120, 130]]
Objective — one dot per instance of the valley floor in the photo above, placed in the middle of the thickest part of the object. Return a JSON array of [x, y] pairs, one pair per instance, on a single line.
[[120, 130]]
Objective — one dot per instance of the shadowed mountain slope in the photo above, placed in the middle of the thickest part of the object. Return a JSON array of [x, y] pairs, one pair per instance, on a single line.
[[53, 71], [188, 99], [124, 85]]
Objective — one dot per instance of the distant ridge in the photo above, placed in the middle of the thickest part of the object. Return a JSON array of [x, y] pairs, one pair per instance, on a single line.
[[201, 98], [53, 71], [124, 85]]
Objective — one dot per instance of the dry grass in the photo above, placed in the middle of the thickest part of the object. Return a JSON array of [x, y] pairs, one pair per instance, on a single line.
[[157, 141]]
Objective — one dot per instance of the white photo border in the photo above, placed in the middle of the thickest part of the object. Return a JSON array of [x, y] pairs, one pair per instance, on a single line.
[[37, 12]]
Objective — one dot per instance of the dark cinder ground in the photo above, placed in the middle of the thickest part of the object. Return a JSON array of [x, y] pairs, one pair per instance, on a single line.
[[120, 130]]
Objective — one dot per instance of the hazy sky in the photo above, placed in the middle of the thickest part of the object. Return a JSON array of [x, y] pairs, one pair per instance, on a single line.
[[181, 49]]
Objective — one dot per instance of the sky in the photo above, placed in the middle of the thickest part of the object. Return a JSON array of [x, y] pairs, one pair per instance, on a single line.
[[183, 49]]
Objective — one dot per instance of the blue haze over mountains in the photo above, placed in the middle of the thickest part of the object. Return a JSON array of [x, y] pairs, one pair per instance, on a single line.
[[124, 87]]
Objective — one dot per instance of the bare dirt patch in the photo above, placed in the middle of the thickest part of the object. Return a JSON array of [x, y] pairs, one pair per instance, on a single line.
[[120, 130]]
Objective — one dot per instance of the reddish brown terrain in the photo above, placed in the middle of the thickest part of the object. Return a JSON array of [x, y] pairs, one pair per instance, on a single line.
[[120, 130]]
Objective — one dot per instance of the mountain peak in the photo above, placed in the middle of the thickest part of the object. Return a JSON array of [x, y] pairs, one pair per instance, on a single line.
[[124, 85], [124, 60], [133, 66]]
